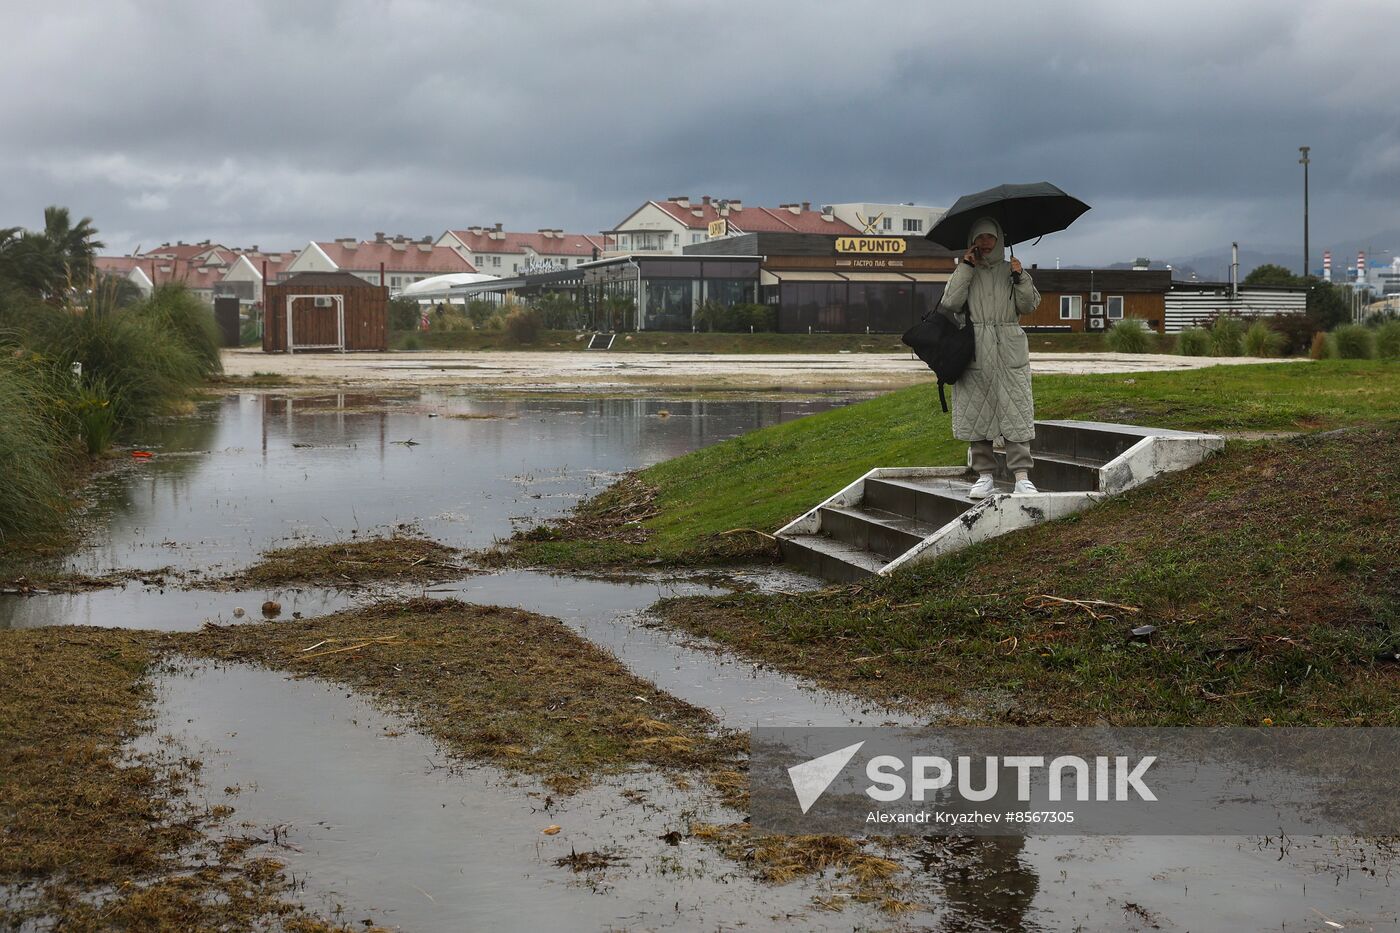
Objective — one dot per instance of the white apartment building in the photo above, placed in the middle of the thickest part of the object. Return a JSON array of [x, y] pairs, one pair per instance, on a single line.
[[889, 219], [671, 225], [495, 251]]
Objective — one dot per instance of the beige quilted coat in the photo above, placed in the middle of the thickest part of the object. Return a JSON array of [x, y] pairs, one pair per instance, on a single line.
[[993, 397]]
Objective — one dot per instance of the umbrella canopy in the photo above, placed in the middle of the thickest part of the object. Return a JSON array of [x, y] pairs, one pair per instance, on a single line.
[[1024, 212]]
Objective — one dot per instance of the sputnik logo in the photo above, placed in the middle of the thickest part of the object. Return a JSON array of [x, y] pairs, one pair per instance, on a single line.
[[811, 778]]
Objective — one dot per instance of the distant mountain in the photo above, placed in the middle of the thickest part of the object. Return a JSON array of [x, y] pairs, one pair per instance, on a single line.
[[1214, 265]]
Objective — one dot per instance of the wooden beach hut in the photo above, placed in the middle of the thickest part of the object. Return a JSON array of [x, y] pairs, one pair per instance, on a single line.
[[325, 311]]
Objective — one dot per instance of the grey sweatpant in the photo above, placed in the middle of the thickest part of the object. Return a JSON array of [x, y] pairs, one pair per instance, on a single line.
[[1018, 456]]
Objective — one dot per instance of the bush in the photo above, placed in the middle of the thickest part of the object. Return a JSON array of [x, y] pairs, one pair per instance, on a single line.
[[559, 311], [1295, 332], [404, 314], [94, 416], [1262, 340], [735, 319], [1388, 340], [480, 312], [175, 310], [34, 448], [145, 365], [1355, 342], [1193, 341], [1226, 336], [410, 342], [1129, 336], [1323, 347], [523, 325]]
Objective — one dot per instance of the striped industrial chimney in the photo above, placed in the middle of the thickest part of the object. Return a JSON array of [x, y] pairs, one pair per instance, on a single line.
[[1327, 265], [1361, 267]]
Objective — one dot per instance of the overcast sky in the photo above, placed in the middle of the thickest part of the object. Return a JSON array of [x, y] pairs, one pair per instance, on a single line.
[[275, 123]]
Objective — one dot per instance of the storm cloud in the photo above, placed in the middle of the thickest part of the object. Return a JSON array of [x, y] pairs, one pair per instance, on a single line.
[[275, 123]]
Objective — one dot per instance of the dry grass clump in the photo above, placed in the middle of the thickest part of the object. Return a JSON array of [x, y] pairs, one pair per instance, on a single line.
[[397, 558], [867, 877]]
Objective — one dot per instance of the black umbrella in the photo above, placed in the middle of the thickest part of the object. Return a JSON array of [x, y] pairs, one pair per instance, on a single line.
[[1024, 212]]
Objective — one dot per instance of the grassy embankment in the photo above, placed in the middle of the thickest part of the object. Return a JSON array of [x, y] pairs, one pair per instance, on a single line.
[[1268, 573], [678, 511], [672, 342]]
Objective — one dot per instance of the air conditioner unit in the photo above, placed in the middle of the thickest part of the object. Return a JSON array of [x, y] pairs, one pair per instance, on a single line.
[[1096, 323], [324, 301], [1096, 310], [1096, 296]]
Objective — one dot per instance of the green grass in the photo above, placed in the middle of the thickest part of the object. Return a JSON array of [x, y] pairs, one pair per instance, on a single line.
[[763, 479], [674, 342]]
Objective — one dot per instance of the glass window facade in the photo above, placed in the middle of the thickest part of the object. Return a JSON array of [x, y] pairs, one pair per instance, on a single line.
[[730, 292], [670, 303], [853, 307]]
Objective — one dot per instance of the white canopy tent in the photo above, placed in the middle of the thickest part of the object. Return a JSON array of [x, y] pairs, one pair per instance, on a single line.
[[438, 287]]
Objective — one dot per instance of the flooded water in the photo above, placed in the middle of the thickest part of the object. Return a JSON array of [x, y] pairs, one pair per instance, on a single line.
[[374, 820], [261, 469]]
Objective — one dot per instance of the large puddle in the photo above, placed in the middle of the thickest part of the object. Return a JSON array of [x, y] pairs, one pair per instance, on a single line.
[[261, 469], [378, 824]]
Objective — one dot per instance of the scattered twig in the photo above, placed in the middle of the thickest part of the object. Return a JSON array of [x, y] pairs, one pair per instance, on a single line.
[[751, 531], [1045, 600], [374, 641]]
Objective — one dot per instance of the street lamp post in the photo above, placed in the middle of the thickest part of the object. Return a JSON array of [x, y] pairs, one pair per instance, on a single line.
[[1305, 160]]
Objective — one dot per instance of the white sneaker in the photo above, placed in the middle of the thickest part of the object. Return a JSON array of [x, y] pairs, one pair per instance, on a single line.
[[1024, 486], [982, 488]]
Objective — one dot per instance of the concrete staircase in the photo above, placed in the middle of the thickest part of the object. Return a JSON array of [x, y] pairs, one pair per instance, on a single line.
[[895, 516]]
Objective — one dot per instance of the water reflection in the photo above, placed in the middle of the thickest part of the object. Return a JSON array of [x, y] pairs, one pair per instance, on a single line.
[[259, 469]]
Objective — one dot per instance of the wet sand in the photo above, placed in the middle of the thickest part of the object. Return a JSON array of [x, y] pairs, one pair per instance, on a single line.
[[539, 371]]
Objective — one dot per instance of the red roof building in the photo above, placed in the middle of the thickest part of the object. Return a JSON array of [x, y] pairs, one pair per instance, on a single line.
[[401, 260], [671, 225], [504, 252]]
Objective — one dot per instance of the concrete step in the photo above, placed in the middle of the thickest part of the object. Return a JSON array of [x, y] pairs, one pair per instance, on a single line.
[[933, 502], [1094, 440], [895, 516], [885, 533], [1055, 472], [828, 558]]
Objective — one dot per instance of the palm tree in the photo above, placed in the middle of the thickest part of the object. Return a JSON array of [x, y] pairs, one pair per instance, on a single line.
[[74, 246], [55, 261]]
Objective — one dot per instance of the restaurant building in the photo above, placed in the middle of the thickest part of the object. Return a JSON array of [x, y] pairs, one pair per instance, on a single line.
[[816, 283], [843, 284]]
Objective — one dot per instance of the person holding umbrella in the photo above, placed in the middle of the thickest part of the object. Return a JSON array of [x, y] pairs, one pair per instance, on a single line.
[[993, 395]]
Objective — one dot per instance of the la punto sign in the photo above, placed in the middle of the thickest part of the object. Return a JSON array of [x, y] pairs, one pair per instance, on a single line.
[[871, 244]]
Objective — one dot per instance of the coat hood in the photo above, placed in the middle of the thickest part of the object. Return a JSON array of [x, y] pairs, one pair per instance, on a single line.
[[988, 224]]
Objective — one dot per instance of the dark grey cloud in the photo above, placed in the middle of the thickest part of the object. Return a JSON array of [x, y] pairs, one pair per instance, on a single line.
[[279, 122]]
